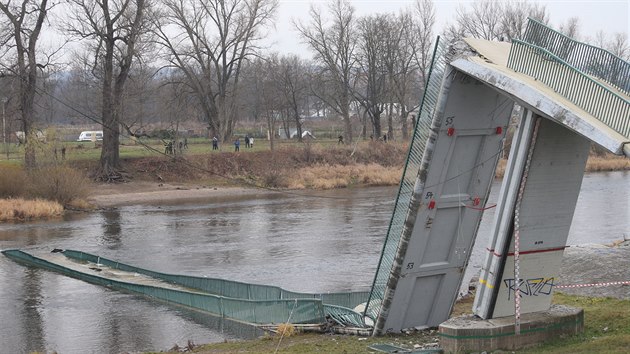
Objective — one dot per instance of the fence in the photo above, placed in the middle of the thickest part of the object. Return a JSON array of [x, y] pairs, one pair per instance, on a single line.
[[607, 106], [584, 57]]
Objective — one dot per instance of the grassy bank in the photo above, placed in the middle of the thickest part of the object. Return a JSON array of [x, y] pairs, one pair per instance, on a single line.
[[320, 164], [607, 330], [296, 166], [316, 165]]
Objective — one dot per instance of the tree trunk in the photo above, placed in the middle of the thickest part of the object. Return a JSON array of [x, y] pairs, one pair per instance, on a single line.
[[271, 126], [376, 122], [110, 155], [404, 127], [345, 110], [30, 136], [298, 123], [364, 125], [390, 122]]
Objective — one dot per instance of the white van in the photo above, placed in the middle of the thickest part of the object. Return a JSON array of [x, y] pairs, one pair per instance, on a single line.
[[91, 135]]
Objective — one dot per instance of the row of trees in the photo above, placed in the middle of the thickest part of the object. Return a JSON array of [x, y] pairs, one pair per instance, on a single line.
[[146, 59]]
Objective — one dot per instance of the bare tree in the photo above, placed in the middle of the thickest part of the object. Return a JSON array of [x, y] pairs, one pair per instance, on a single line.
[[514, 18], [571, 28], [423, 46], [376, 37], [482, 20], [334, 46], [211, 40], [270, 104], [19, 39], [617, 43], [412, 58], [290, 76], [113, 29], [495, 20]]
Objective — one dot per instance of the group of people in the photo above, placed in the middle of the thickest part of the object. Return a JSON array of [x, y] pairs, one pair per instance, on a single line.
[[249, 143], [170, 146]]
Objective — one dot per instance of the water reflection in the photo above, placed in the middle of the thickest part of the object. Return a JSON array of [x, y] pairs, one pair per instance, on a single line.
[[32, 301], [112, 228]]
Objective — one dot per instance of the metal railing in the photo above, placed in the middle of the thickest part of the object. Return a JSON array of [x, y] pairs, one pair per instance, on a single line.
[[587, 58], [345, 316], [607, 106]]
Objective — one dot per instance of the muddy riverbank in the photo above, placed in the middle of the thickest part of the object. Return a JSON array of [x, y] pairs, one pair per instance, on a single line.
[[152, 193]]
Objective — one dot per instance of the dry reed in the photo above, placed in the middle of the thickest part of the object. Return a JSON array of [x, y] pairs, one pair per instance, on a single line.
[[608, 163], [341, 176], [21, 209], [285, 330], [594, 163]]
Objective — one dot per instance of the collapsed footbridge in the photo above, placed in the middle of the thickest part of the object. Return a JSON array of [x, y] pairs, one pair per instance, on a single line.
[[571, 94]]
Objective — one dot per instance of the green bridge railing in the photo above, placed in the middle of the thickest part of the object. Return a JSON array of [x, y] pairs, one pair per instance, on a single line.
[[607, 106], [252, 303], [587, 58]]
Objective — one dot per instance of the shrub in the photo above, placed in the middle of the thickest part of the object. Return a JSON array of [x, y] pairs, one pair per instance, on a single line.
[[11, 182], [60, 183]]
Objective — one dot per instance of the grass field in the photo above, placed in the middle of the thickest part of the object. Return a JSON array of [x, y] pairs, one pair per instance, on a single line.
[[77, 151], [606, 330]]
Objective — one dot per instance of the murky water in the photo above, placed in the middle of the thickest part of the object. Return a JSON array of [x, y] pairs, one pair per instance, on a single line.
[[301, 243]]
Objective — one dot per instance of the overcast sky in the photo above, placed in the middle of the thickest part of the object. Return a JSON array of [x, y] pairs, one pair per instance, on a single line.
[[610, 16]]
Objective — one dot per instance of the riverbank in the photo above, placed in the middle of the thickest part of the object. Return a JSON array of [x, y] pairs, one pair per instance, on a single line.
[[606, 327], [142, 192], [153, 179]]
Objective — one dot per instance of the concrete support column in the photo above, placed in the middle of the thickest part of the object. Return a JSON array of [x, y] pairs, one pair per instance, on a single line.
[[549, 198]]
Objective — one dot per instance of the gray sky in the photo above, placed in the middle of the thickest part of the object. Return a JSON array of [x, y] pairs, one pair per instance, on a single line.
[[610, 16]]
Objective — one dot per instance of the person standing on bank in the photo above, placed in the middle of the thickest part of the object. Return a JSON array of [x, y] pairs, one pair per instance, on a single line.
[[237, 145], [215, 143]]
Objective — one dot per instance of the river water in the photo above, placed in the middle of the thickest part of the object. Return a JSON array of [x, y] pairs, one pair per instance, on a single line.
[[312, 242]]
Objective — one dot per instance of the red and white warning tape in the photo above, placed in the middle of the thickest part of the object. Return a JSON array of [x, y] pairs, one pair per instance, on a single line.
[[592, 284]]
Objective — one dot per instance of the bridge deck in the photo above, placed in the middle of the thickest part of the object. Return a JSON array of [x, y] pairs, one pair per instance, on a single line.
[[104, 271], [491, 68]]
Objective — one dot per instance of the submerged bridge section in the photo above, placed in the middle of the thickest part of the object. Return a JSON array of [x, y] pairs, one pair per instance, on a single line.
[[572, 94]]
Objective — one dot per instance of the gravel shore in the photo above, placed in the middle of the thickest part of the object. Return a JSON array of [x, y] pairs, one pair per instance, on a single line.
[[138, 192]]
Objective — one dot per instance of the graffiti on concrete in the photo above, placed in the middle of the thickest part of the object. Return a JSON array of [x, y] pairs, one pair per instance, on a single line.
[[529, 287]]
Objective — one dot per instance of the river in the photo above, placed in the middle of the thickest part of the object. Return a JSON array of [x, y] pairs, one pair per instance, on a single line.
[[313, 242]]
